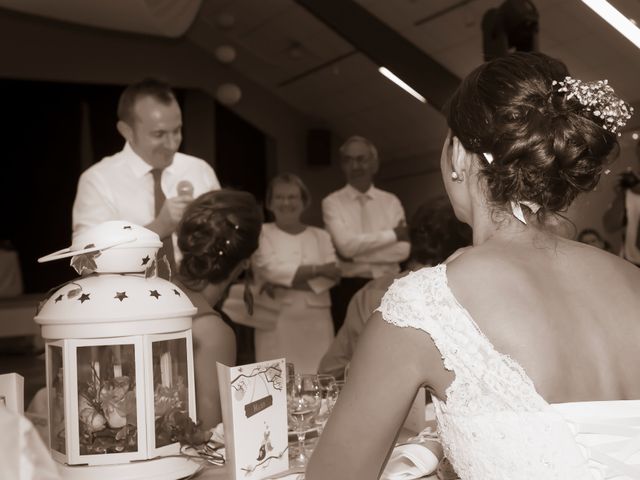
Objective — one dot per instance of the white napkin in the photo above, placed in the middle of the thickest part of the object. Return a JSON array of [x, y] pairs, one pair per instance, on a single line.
[[23, 456], [409, 461], [415, 458]]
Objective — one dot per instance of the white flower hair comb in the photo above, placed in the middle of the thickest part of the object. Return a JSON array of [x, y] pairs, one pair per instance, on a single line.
[[599, 99]]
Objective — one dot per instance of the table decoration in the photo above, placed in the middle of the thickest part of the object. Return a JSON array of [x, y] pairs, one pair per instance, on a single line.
[[254, 414], [119, 361]]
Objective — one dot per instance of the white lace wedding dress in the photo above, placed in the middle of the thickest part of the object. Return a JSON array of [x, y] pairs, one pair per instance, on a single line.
[[494, 425]]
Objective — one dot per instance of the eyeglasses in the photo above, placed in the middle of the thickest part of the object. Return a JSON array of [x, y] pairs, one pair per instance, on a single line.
[[358, 160], [290, 198]]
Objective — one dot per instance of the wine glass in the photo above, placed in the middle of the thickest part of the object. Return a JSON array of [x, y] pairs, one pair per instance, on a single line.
[[304, 398], [333, 393], [326, 385]]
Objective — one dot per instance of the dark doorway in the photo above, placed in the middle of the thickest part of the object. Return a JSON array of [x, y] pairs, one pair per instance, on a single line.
[[241, 155]]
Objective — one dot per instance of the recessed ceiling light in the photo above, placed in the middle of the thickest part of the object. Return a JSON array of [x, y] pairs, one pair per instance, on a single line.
[[635, 135]]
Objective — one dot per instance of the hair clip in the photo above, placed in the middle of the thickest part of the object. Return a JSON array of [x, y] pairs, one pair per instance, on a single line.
[[516, 208], [488, 157], [233, 221], [599, 99]]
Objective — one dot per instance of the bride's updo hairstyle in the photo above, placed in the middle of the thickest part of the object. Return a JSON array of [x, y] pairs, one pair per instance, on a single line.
[[218, 230], [544, 146]]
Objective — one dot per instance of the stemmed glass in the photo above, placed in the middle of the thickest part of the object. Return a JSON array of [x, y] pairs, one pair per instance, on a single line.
[[333, 393], [304, 398], [326, 386]]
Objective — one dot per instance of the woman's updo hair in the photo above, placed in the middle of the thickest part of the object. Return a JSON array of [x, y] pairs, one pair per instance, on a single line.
[[218, 230], [546, 147]]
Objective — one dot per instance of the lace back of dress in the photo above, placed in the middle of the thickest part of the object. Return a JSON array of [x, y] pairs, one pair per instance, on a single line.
[[423, 300]]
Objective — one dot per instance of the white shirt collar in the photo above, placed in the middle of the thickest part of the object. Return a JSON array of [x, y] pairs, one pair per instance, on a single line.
[[354, 193], [138, 165]]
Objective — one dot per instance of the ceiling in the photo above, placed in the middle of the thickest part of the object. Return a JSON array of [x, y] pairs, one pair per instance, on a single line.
[[286, 49]]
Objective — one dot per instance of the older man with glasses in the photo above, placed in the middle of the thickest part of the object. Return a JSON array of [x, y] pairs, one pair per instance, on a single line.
[[367, 225]]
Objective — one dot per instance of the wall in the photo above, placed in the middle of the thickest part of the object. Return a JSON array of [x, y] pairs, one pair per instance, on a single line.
[[414, 180]]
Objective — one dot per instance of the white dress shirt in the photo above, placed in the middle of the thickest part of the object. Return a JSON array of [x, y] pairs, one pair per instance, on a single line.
[[279, 256], [361, 226], [120, 187]]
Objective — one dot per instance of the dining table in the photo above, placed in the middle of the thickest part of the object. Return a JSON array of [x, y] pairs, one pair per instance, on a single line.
[[224, 472]]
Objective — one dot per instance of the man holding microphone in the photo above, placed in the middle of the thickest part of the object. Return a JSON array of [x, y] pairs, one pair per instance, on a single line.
[[149, 182]]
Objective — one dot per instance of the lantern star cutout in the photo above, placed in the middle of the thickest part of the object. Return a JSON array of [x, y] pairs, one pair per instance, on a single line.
[[176, 292], [84, 297], [145, 260], [154, 293], [121, 296], [58, 298]]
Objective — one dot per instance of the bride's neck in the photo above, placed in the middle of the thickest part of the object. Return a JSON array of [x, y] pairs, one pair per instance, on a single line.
[[502, 225]]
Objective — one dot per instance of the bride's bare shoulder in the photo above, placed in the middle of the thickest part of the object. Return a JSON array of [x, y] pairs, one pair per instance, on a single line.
[[469, 264]]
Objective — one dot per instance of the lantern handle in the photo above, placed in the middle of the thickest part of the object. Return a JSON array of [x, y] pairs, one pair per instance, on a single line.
[[67, 252]]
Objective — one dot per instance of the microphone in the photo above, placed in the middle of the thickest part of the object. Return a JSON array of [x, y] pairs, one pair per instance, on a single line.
[[185, 187]]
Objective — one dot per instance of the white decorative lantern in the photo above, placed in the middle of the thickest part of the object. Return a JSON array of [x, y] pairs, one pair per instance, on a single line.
[[119, 360]]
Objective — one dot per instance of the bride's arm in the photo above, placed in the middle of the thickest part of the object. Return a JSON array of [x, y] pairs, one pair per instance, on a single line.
[[389, 365]]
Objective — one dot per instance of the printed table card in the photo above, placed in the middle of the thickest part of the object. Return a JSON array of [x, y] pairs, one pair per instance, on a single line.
[[12, 392], [254, 414]]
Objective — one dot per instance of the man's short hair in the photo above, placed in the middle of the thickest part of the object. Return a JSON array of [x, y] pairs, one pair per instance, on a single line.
[[149, 87], [373, 151]]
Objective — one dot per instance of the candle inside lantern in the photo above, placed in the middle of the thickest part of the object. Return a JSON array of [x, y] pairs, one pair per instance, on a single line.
[[95, 367], [117, 361], [166, 373]]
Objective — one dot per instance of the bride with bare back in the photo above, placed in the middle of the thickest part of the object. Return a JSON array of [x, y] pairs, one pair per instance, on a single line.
[[528, 341]]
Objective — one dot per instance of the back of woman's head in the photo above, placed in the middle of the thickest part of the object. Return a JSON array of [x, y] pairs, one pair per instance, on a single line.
[[435, 232], [546, 145], [218, 231]]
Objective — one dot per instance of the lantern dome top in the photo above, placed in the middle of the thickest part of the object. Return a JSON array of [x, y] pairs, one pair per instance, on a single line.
[[113, 297], [100, 305], [115, 247]]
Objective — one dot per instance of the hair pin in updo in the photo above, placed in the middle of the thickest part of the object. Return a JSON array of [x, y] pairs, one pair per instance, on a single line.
[[488, 157], [233, 221], [599, 99]]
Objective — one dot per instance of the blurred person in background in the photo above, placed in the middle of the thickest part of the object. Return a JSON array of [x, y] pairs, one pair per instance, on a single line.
[[434, 234], [592, 237], [294, 267], [10, 271], [624, 213], [367, 225]]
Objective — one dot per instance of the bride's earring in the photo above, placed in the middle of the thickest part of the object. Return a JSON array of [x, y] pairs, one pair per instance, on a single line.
[[457, 178]]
